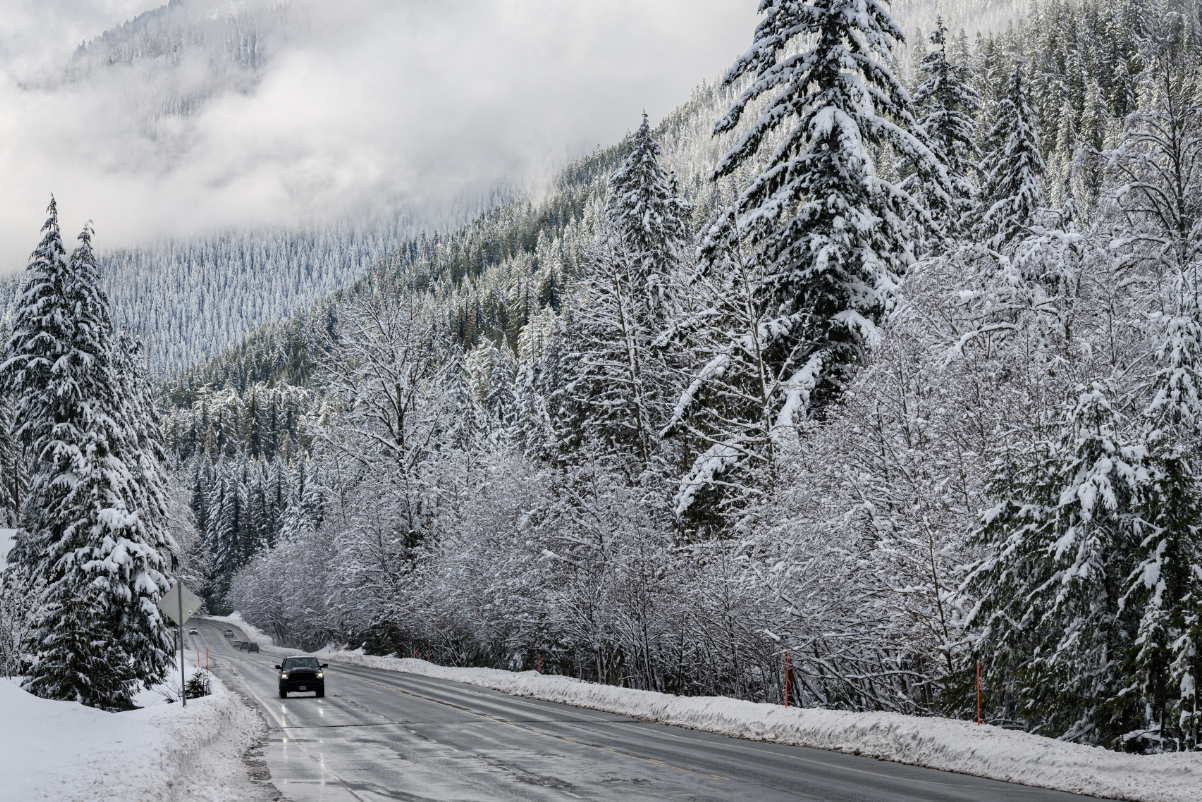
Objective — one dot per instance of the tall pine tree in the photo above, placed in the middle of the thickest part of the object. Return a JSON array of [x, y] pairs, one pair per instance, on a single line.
[[829, 237], [622, 302], [644, 212], [949, 105], [84, 538], [1012, 192]]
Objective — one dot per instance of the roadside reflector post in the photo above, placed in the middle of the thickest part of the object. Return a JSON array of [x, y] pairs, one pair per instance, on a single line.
[[183, 691], [978, 693], [427, 651], [786, 677]]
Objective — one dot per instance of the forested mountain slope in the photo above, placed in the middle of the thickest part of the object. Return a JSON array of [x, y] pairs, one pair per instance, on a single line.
[[491, 277], [185, 53], [191, 299]]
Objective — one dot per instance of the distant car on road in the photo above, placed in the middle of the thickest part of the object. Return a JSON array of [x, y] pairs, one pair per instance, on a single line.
[[235, 643], [254, 647], [229, 633], [243, 646], [192, 631], [302, 674]]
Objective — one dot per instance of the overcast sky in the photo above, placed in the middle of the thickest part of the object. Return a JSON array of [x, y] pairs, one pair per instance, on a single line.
[[418, 100]]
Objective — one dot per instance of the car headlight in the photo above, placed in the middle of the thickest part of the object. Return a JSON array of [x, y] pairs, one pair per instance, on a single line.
[[283, 676], [321, 675]]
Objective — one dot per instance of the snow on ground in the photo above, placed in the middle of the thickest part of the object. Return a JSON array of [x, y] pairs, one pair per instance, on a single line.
[[936, 743], [66, 752]]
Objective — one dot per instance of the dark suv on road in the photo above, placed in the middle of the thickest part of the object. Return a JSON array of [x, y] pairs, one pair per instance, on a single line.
[[302, 674]]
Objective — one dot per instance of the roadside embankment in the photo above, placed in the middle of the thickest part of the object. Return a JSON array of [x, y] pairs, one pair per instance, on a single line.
[[66, 752]]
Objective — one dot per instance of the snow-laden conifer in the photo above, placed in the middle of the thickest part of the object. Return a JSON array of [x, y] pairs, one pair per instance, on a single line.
[[1165, 587], [83, 535], [1060, 542], [645, 213], [305, 512], [828, 237], [621, 377], [491, 371], [546, 425], [468, 425], [621, 302], [12, 465], [1012, 190], [948, 105]]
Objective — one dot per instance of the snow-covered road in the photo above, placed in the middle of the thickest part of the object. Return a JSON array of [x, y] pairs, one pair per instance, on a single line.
[[384, 735]]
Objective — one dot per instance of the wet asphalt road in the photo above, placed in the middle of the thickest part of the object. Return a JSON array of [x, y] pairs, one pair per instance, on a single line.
[[382, 735]]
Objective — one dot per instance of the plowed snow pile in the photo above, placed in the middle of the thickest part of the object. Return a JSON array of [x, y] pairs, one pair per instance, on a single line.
[[66, 752]]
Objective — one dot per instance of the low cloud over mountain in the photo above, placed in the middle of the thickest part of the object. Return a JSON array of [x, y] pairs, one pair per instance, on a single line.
[[211, 114]]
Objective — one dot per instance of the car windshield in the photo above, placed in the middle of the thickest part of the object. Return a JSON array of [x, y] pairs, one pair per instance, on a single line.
[[300, 662]]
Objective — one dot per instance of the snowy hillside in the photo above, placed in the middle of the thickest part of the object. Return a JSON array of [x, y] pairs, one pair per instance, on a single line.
[[546, 482], [886, 404], [190, 299], [185, 53]]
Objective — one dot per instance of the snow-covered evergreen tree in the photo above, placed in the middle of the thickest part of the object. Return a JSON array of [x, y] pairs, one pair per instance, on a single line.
[[146, 455], [1060, 544], [948, 105], [831, 235], [83, 536], [621, 381], [305, 513], [620, 304], [1012, 191], [469, 426], [546, 424], [1165, 587], [492, 372], [644, 212]]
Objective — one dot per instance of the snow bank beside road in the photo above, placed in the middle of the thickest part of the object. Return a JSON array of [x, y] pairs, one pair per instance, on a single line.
[[66, 752], [250, 630], [958, 746]]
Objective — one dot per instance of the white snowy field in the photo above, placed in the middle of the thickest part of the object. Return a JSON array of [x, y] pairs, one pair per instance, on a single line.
[[65, 752], [946, 744]]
